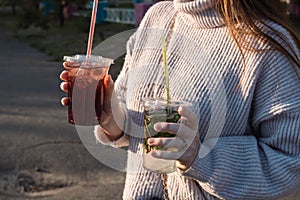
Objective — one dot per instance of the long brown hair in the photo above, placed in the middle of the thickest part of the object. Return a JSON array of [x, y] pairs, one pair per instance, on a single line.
[[243, 17]]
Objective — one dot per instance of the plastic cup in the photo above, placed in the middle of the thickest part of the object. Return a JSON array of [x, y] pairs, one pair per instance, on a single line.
[[85, 91], [159, 110]]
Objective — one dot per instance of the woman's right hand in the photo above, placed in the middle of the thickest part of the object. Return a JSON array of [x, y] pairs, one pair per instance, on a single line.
[[65, 101], [112, 126]]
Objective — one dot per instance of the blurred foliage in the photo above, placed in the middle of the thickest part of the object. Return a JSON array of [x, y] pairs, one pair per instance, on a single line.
[[31, 13], [45, 33], [4, 3], [58, 41], [28, 17], [297, 2]]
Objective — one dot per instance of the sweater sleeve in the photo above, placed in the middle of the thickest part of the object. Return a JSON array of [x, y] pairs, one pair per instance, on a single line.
[[120, 90], [266, 164]]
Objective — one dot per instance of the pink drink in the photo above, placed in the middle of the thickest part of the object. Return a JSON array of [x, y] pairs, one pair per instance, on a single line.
[[86, 74], [86, 88]]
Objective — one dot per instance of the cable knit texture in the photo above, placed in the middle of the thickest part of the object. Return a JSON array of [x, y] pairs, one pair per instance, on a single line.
[[250, 137]]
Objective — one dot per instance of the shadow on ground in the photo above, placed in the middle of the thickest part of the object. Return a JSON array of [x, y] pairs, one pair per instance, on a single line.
[[42, 156]]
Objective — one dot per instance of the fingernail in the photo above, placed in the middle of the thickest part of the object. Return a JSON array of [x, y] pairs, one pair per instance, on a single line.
[[180, 109], [150, 141], [157, 127]]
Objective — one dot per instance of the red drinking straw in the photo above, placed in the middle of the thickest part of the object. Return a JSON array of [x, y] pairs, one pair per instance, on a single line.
[[92, 28]]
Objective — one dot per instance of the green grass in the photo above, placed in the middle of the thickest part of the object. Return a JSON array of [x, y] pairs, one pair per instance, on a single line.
[[60, 41], [72, 38]]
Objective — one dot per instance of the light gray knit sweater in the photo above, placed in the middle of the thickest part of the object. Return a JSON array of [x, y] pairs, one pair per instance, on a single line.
[[250, 137]]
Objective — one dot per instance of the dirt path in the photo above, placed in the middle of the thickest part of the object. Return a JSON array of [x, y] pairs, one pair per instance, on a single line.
[[42, 156]]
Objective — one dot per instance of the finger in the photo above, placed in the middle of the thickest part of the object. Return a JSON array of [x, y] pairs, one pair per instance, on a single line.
[[65, 101], [167, 155], [64, 86], [190, 117], [172, 128], [68, 65], [64, 75], [179, 130], [166, 142], [108, 87]]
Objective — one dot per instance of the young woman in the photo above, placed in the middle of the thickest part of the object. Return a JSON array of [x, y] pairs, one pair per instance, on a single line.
[[239, 64]]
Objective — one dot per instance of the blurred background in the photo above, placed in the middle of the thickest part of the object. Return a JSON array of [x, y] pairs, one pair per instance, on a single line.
[[42, 156], [60, 27]]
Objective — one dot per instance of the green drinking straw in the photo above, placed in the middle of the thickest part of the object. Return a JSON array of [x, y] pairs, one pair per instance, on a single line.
[[166, 72]]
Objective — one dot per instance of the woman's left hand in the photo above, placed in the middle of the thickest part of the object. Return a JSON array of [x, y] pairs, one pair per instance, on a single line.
[[186, 141]]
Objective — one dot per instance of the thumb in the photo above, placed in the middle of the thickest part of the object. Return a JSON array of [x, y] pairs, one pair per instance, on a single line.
[[108, 88]]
